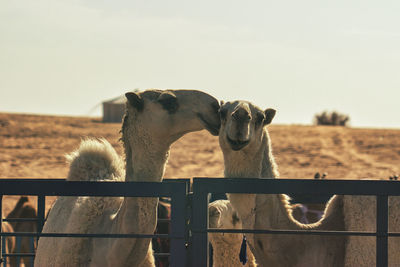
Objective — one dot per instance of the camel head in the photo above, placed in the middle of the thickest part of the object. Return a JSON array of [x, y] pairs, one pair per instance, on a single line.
[[170, 114], [222, 215], [242, 125]]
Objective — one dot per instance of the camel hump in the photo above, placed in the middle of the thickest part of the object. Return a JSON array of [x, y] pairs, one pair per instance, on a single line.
[[95, 160]]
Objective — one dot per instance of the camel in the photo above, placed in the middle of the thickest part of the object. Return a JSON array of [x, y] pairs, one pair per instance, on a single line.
[[10, 240], [23, 210], [247, 152], [360, 215], [243, 135], [226, 245], [154, 119]]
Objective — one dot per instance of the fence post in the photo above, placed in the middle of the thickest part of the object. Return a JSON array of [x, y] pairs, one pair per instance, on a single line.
[[189, 224], [178, 224], [382, 231], [41, 204], [200, 225], [1, 229]]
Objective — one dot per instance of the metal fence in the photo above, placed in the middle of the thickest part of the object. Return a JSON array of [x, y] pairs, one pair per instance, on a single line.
[[189, 211], [177, 190], [203, 187]]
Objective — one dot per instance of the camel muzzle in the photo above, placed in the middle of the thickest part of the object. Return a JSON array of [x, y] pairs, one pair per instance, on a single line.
[[237, 145]]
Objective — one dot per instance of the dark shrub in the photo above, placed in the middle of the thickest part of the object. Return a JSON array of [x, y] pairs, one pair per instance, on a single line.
[[331, 118]]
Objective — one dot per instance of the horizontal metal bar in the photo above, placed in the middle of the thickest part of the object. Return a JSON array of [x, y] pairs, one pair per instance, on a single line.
[[35, 220], [309, 199], [296, 232], [161, 255], [393, 234], [53, 187], [18, 254], [20, 220], [91, 235], [87, 188], [297, 186], [160, 220], [157, 255]]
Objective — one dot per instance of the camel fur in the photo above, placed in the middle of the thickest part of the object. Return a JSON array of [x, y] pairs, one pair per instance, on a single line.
[[154, 119], [226, 246], [24, 210], [360, 215], [247, 151], [10, 240]]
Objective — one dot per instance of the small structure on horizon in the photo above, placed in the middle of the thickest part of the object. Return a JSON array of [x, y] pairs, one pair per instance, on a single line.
[[114, 109]]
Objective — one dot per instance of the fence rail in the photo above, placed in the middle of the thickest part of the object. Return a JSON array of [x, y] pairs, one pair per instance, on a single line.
[[203, 187], [191, 234], [177, 190]]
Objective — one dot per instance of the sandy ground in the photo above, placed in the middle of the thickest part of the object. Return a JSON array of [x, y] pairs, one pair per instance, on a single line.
[[34, 146]]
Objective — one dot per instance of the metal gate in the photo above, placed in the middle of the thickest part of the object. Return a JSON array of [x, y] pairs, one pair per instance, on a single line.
[[177, 190], [189, 210]]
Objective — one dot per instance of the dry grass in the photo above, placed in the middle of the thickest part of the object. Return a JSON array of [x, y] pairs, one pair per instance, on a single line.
[[34, 147]]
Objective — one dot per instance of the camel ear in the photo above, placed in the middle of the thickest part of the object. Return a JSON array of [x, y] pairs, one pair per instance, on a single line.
[[269, 115], [135, 100], [168, 101]]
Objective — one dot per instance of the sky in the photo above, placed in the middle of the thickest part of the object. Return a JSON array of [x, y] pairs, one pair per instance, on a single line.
[[65, 57]]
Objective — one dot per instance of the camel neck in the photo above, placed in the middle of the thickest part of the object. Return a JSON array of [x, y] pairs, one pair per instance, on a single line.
[[260, 165], [243, 164], [146, 160], [228, 255], [269, 169], [252, 162]]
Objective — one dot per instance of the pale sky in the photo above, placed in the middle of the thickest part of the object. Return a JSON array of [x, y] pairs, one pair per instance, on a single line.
[[299, 57]]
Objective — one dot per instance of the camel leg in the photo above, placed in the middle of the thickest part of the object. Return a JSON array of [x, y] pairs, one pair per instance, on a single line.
[[149, 260]]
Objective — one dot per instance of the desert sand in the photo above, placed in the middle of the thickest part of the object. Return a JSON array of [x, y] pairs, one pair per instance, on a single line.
[[33, 146]]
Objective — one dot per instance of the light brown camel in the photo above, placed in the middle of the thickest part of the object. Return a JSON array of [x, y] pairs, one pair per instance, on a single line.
[[154, 120], [247, 151], [226, 246], [10, 240], [360, 215], [24, 210]]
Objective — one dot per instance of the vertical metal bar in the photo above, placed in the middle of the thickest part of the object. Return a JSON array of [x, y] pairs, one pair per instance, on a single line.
[[382, 231], [200, 225], [41, 213], [3, 243], [189, 220], [18, 248], [178, 225], [1, 229]]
